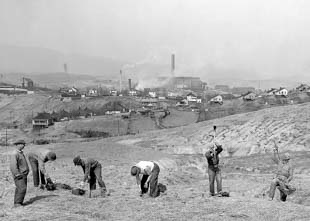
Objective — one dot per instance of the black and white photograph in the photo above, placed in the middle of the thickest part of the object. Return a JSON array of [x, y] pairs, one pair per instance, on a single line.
[[154, 110]]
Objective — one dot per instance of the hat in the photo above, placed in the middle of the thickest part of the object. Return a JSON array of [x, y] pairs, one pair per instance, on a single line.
[[20, 142], [76, 160], [286, 156], [134, 171], [51, 156]]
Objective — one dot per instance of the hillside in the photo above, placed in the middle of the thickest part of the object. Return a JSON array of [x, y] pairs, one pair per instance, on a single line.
[[178, 151], [242, 134]]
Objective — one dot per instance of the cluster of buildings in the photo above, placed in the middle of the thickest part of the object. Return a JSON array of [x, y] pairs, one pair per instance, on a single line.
[[27, 87]]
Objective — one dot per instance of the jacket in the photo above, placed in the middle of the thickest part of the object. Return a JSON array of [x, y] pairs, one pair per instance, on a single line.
[[18, 164]]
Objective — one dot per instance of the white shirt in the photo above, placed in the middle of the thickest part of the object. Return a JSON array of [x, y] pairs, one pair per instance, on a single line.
[[146, 167]]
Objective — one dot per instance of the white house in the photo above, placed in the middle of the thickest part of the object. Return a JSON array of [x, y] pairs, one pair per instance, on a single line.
[[271, 91], [152, 94], [250, 96], [191, 97], [93, 92], [217, 99], [282, 91], [73, 90], [113, 92]]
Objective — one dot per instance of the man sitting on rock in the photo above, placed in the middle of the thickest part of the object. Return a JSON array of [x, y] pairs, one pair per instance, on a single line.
[[92, 172], [150, 172], [37, 159], [283, 176]]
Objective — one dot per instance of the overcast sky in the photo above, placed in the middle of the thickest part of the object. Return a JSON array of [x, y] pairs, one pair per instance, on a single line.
[[268, 37]]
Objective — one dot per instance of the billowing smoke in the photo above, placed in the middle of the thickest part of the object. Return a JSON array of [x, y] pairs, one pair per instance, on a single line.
[[152, 83]]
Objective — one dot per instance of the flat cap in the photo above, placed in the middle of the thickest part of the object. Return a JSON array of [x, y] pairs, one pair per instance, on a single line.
[[19, 142], [76, 160]]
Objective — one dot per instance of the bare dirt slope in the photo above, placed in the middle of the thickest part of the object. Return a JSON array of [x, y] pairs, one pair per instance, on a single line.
[[241, 134], [179, 153]]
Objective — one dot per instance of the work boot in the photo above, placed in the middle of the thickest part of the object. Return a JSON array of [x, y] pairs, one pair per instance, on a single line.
[[17, 205], [42, 187], [103, 192]]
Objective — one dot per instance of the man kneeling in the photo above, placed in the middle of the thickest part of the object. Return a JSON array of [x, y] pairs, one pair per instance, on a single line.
[[283, 176], [150, 172]]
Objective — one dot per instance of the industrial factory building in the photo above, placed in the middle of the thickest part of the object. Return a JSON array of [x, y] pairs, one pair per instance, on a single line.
[[193, 83], [189, 83]]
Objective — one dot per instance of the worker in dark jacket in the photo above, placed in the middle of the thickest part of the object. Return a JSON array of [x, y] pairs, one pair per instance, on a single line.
[[214, 170], [20, 169], [37, 159], [92, 172]]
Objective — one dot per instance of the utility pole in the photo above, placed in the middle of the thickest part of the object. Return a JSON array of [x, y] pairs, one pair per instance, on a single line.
[[120, 82], [6, 144], [117, 127]]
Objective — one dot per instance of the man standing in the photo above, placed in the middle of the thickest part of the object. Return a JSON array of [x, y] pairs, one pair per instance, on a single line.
[[19, 168], [150, 172], [37, 160], [214, 170], [283, 176], [92, 172]]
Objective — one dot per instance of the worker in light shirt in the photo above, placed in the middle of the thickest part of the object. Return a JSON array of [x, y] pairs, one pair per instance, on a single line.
[[149, 171]]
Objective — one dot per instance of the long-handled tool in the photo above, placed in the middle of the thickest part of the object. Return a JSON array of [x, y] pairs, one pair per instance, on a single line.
[[214, 146], [89, 195]]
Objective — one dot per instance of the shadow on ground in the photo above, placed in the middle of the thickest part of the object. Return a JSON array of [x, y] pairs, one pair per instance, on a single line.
[[36, 198]]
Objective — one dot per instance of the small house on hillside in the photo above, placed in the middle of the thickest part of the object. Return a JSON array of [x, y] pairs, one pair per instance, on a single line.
[[250, 96], [271, 91], [191, 97], [149, 103], [113, 92], [281, 92], [217, 100], [69, 91], [172, 95], [93, 92], [303, 88], [42, 120]]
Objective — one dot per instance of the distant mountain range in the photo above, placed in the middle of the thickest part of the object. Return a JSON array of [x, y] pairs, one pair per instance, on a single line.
[[16, 59]]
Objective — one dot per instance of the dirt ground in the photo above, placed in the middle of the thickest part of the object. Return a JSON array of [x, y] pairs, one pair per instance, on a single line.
[[247, 173], [186, 199]]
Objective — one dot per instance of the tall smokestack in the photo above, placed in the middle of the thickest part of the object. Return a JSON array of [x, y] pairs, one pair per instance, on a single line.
[[129, 84], [172, 64], [65, 67], [120, 81]]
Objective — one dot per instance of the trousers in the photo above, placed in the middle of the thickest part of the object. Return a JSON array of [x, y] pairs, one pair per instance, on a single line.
[[36, 173], [215, 174], [20, 190], [153, 184], [284, 188], [95, 175]]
